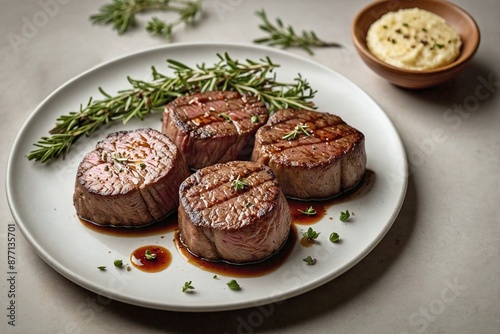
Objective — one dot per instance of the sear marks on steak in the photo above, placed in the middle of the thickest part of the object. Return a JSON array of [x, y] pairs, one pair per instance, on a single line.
[[214, 127], [220, 221], [324, 158], [130, 179]]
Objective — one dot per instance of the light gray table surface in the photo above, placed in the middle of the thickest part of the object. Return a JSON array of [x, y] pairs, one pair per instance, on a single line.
[[436, 271]]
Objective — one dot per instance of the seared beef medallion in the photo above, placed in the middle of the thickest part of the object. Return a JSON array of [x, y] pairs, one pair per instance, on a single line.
[[214, 127], [131, 178], [233, 211], [314, 155]]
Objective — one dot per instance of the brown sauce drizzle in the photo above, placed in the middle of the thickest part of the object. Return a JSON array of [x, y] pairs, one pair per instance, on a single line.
[[301, 218], [240, 270], [162, 259], [321, 206], [262, 268], [164, 226]]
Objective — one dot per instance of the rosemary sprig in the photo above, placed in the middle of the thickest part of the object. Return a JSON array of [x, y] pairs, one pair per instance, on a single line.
[[285, 36], [143, 98], [121, 14]]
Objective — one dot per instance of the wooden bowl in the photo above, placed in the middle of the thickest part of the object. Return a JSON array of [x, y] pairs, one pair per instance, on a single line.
[[455, 16]]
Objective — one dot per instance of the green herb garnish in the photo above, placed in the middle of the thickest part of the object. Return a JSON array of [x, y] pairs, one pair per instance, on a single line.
[[146, 97], [121, 14], [149, 255], [299, 128], [233, 285], [439, 46], [118, 263], [279, 35], [311, 235], [309, 260], [254, 119], [187, 286], [226, 117], [239, 184], [101, 267], [344, 216], [309, 211], [334, 237]]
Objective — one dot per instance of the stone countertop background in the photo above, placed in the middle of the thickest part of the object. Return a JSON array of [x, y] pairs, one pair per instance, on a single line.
[[436, 271]]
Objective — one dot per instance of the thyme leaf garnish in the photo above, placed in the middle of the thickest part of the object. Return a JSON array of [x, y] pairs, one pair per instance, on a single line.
[[311, 235], [299, 128], [233, 285], [345, 215], [149, 256], [187, 286], [310, 211], [239, 183], [226, 117], [334, 237], [309, 260]]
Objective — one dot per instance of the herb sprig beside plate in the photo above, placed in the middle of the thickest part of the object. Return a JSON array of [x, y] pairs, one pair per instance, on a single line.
[[285, 36], [121, 14]]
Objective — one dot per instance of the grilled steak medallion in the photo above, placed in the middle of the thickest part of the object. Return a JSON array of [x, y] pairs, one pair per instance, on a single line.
[[233, 211], [214, 127], [314, 155], [132, 178]]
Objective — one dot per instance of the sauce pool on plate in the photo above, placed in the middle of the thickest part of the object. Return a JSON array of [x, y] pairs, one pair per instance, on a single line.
[[164, 226], [163, 257], [151, 258], [299, 208], [257, 269]]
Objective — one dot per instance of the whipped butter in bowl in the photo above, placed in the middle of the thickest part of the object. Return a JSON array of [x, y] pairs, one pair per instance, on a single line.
[[413, 39]]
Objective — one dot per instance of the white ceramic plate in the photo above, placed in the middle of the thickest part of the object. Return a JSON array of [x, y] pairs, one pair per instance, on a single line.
[[40, 195]]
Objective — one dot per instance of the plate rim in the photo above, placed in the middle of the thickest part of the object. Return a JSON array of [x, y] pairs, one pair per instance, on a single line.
[[92, 286]]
